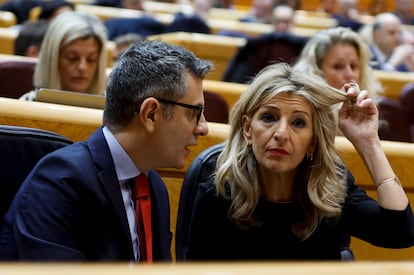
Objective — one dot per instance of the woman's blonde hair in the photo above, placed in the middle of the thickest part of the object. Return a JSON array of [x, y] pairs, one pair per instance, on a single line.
[[64, 29], [315, 50], [320, 183]]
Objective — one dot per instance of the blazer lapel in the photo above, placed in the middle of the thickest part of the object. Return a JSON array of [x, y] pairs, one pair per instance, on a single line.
[[161, 217], [107, 176]]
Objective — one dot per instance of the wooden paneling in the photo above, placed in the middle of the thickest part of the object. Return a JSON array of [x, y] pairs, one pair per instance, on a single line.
[[209, 268]]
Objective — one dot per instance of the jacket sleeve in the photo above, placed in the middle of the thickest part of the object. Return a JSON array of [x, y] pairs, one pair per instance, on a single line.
[[49, 214]]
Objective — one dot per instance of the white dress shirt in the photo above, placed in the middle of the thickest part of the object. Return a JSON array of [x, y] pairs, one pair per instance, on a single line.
[[125, 171]]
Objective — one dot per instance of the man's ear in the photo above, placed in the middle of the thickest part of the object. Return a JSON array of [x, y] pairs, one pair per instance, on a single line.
[[150, 113], [246, 129]]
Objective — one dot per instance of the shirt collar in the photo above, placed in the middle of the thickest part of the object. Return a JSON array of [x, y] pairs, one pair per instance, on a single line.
[[381, 57], [124, 167]]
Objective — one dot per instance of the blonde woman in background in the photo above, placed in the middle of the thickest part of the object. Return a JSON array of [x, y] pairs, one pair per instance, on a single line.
[[73, 55], [339, 55]]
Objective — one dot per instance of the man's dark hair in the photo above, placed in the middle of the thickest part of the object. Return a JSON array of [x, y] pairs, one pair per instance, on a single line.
[[31, 33]]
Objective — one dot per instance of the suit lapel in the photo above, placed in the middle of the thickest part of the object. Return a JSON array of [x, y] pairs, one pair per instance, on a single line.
[[107, 176], [161, 217]]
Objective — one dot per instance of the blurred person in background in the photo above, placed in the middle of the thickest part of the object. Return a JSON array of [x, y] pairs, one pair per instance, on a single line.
[[403, 9], [30, 37], [261, 12], [390, 51], [283, 18], [347, 14], [123, 42], [73, 55], [127, 4], [327, 6], [20, 8], [339, 55], [51, 9]]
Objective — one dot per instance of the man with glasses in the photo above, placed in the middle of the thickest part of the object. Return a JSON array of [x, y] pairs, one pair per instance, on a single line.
[[78, 203]]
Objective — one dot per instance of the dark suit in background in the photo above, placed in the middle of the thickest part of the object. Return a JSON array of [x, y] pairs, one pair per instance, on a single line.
[[144, 26]]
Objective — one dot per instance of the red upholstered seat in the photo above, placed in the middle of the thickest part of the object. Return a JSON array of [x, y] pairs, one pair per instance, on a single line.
[[407, 103], [393, 121], [216, 109], [16, 77]]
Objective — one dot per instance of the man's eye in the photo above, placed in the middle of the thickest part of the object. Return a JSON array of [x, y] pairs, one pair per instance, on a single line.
[[193, 112]]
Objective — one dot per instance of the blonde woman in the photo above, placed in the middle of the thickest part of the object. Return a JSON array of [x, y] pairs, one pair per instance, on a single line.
[[339, 55], [73, 55], [281, 191]]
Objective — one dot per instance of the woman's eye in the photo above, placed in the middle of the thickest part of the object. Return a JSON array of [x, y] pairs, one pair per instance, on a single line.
[[71, 58], [355, 67], [299, 123], [268, 118]]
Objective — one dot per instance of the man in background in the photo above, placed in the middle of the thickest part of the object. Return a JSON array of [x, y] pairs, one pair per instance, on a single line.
[[30, 37]]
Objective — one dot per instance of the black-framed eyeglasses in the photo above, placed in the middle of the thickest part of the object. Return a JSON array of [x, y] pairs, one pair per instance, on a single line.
[[199, 109]]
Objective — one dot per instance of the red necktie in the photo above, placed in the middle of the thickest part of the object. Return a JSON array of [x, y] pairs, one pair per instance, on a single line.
[[143, 216]]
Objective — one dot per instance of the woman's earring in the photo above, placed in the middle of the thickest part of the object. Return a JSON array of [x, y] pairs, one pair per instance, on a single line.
[[309, 157]]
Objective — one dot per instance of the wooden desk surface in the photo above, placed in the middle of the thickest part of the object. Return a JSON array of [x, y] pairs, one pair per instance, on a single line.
[[285, 268], [8, 57]]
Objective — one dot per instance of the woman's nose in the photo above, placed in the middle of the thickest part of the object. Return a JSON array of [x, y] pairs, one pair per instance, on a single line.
[[82, 64], [350, 74], [281, 130]]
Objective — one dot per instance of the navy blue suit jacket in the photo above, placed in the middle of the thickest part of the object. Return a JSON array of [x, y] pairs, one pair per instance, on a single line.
[[70, 207], [144, 26], [375, 63]]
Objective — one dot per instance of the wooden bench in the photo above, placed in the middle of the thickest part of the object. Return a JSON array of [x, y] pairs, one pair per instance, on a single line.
[[363, 5], [393, 82], [7, 38], [78, 123], [7, 19], [228, 268], [171, 8], [221, 49], [305, 28], [216, 48], [228, 90], [314, 20]]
